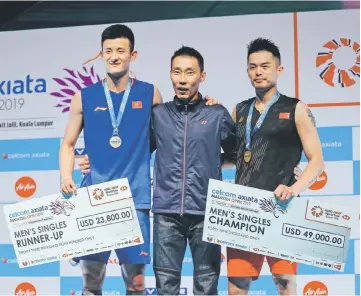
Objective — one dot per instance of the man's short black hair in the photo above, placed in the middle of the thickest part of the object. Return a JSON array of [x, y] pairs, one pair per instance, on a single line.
[[119, 31], [260, 44], [191, 52]]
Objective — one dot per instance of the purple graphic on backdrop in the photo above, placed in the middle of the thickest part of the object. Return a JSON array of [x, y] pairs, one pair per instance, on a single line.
[[71, 84]]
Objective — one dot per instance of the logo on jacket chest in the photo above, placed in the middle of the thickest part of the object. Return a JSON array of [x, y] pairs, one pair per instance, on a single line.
[[99, 108]]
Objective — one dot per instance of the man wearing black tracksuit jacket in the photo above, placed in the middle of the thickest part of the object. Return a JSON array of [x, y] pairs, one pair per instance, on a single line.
[[188, 136]]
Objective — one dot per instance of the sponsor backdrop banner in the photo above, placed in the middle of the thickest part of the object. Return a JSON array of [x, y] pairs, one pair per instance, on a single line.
[[322, 67]]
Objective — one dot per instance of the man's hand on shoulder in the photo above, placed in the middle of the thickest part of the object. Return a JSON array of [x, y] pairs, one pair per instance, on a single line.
[[211, 101], [157, 97]]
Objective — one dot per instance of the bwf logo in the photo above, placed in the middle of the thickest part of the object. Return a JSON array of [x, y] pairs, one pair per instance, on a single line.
[[317, 211], [339, 62], [98, 194]]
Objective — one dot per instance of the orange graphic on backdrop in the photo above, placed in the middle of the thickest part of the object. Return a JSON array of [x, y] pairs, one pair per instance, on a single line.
[[333, 71], [25, 289], [315, 288], [320, 182], [25, 187]]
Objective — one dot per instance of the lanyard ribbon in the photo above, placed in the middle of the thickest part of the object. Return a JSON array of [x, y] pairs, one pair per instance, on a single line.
[[259, 121], [116, 121]]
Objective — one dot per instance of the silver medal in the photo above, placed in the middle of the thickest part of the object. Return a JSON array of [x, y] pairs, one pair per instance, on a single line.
[[115, 141]]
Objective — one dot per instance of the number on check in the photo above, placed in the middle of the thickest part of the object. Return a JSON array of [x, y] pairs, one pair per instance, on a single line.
[[314, 235], [103, 219]]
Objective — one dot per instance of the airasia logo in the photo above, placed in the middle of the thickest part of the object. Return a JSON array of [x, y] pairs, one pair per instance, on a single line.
[[25, 289], [315, 288], [345, 217], [25, 187], [320, 182]]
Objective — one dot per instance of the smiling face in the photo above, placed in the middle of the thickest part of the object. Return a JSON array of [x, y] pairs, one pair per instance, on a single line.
[[117, 56], [186, 76], [263, 70]]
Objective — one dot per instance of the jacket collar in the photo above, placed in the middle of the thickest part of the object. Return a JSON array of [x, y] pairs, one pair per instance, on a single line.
[[198, 103]]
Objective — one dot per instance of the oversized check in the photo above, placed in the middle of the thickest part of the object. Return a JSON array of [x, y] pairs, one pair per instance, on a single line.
[[308, 231], [99, 218]]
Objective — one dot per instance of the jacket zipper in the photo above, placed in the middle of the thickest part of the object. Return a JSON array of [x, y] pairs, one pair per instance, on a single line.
[[184, 158]]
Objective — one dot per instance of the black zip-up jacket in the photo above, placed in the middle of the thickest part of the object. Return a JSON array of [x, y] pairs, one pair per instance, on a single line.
[[188, 139]]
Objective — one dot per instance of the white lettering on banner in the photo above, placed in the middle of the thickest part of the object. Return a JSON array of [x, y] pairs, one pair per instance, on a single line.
[[53, 228], [18, 155], [27, 155], [25, 187], [315, 292], [266, 228], [334, 144]]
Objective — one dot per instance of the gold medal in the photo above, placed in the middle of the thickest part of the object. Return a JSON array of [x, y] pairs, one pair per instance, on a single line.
[[260, 109], [247, 156]]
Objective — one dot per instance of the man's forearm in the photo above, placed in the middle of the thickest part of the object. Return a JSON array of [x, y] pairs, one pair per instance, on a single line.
[[67, 160], [312, 171]]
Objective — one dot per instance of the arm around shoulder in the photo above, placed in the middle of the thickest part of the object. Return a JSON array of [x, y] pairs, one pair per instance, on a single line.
[[234, 114], [157, 97], [228, 135]]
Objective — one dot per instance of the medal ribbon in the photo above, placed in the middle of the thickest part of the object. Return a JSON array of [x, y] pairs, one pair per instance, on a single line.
[[116, 121], [259, 121]]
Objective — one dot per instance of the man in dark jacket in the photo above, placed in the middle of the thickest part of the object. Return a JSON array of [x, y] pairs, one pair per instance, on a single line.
[[188, 135]]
